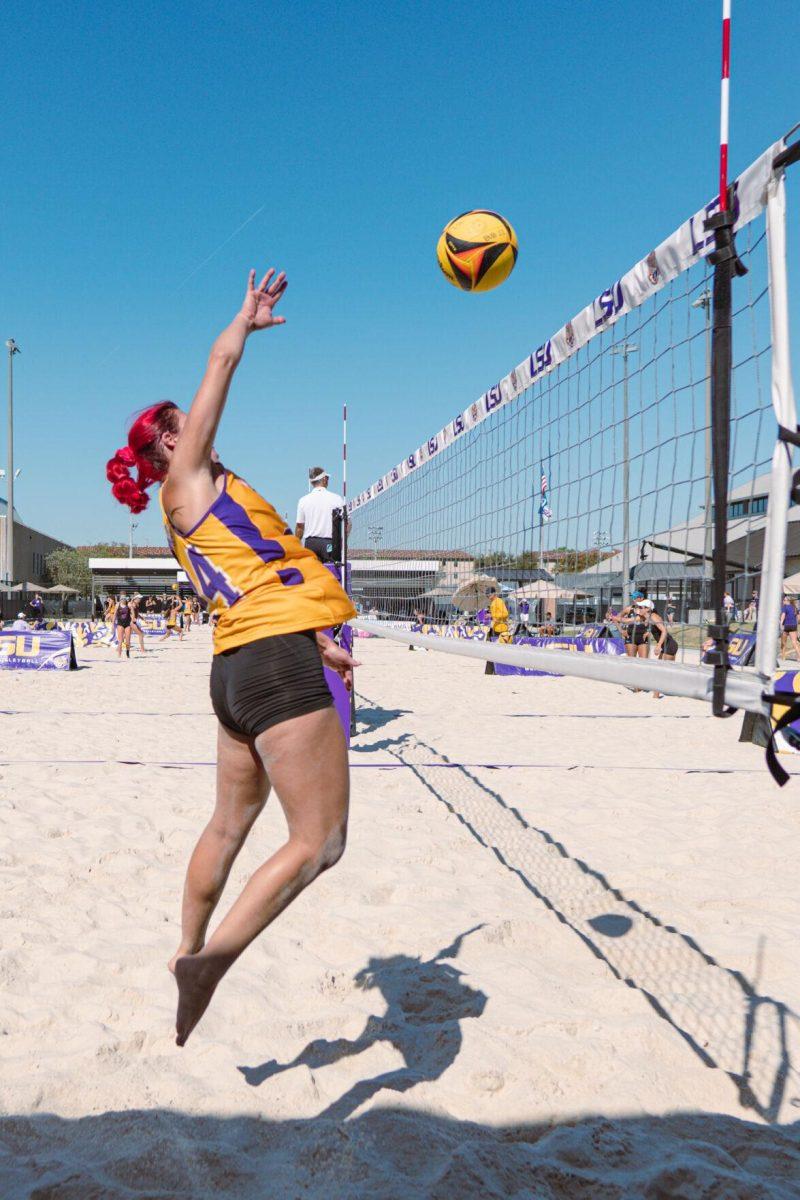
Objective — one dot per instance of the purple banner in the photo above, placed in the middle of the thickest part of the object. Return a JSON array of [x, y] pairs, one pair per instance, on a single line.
[[789, 736], [37, 650], [741, 648], [341, 696], [153, 624], [578, 644], [472, 633]]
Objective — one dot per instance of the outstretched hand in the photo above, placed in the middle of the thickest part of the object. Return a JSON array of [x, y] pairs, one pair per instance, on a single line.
[[258, 304]]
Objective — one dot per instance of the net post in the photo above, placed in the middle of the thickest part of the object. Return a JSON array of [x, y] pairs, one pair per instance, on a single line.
[[727, 265]]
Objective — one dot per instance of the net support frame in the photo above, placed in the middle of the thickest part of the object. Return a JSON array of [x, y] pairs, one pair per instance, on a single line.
[[743, 689], [783, 403]]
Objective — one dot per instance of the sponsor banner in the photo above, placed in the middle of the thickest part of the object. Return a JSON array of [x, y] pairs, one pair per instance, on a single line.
[[576, 644], [741, 648], [37, 650], [686, 246]]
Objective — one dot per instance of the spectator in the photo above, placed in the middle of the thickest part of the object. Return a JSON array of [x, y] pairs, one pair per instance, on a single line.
[[36, 605], [728, 607], [789, 628], [498, 615], [21, 625], [524, 613]]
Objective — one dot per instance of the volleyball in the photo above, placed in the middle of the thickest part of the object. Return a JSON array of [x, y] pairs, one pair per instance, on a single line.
[[477, 250]]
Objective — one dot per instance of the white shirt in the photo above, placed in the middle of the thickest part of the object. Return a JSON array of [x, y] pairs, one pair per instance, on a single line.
[[315, 512]]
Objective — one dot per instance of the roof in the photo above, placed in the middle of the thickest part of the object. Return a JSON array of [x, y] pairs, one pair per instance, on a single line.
[[408, 567], [4, 510], [439, 555], [138, 551], [132, 565]]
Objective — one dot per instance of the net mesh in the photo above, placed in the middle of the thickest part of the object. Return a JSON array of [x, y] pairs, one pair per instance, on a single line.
[[592, 482]]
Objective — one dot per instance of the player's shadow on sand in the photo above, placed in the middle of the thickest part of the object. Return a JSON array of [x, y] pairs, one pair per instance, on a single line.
[[425, 1004], [374, 717], [718, 1012]]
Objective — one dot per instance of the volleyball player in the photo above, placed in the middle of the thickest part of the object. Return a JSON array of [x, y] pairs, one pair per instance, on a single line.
[[664, 644], [277, 724], [123, 622], [136, 605]]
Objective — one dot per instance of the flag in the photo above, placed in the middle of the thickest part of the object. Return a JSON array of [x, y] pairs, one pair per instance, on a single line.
[[545, 512]]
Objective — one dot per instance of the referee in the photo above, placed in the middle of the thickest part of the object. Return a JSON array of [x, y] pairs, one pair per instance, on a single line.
[[315, 516]]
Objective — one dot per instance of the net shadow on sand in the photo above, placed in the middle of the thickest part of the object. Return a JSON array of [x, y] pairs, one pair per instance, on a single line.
[[717, 1011]]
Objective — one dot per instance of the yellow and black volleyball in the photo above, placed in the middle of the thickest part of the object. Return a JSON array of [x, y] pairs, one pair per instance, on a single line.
[[477, 250]]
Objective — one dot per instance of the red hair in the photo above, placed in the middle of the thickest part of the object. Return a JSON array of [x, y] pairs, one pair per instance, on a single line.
[[143, 451]]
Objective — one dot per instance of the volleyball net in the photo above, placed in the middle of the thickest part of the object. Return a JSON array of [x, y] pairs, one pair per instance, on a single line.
[[598, 468]]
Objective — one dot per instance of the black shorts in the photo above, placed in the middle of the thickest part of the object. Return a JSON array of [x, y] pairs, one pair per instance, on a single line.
[[670, 646], [322, 547], [260, 684]]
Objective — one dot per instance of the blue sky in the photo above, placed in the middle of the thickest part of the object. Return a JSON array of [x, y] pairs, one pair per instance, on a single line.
[[139, 138]]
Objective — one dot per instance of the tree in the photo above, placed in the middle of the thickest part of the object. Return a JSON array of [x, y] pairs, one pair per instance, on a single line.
[[105, 550], [70, 567]]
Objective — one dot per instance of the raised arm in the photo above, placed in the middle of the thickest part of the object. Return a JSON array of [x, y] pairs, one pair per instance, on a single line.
[[191, 461]]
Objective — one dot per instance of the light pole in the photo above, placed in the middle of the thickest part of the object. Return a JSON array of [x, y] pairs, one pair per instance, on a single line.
[[626, 349], [13, 349], [133, 525], [375, 535], [704, 302]]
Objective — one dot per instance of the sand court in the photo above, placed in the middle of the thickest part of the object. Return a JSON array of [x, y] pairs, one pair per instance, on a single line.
[[575, 974]]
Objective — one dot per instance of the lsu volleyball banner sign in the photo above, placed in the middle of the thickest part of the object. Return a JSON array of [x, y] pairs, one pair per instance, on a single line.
[[685, 247], [470, 633], [153, 624], [577, 644], [741, 648], [37, 650]]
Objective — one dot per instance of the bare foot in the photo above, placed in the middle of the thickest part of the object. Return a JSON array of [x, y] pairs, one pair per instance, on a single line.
[[197, 979], [180, 952]]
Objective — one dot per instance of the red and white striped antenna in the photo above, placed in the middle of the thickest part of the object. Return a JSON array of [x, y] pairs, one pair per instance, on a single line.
[[724, 105], [344, 454]]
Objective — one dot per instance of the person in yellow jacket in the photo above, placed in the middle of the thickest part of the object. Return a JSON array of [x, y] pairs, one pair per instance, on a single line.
[[499, 616]]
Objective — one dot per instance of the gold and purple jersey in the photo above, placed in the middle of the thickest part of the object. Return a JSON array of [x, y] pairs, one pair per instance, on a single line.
[[253, 572]]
